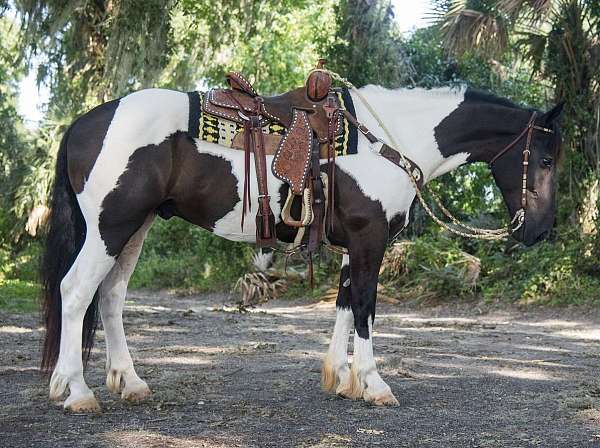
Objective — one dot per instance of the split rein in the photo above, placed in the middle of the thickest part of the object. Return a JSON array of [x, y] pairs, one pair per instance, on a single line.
[[458, 227]]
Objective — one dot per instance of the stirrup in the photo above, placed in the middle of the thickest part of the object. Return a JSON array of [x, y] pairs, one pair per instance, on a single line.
[[306, 217]]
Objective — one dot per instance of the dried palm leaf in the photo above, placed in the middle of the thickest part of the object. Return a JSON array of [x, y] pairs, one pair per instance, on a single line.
[[259, 287]]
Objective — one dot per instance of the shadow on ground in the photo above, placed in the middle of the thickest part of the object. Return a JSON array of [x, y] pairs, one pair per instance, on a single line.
[[464, 378]]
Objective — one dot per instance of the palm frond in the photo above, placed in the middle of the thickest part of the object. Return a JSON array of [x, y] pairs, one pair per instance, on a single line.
[[530, 10], [467, 29]]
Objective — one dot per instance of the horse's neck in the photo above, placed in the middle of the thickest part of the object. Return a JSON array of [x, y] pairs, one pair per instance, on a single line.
[[439, 129]]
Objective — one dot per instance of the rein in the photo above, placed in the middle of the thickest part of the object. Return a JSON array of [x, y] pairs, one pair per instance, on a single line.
[[402, 161]]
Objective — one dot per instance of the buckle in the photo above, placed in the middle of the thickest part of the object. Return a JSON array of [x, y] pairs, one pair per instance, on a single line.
[[362, 128]]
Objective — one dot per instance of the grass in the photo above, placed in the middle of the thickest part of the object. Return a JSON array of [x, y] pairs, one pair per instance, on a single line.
[[19, 296]]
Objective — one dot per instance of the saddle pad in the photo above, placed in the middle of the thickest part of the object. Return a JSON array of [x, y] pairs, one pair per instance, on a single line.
[[229, 133]]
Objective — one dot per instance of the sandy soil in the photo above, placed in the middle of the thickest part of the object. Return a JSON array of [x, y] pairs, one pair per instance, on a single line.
[[465, 377]]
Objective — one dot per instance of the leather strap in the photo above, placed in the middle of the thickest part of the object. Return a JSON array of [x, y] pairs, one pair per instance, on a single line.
[[358, 125], [265, 235], [316, 184], [387, 151]]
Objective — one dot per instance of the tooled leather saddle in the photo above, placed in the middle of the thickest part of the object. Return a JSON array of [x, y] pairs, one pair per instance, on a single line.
[[311, 117]]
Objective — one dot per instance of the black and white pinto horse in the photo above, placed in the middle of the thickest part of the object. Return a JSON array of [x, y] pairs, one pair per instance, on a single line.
[[128, 160]]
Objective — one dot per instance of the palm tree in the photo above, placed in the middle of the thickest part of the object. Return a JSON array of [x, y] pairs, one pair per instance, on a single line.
[[558, 39]]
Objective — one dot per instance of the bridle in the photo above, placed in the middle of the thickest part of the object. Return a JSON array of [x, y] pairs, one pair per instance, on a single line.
[[519, 217]]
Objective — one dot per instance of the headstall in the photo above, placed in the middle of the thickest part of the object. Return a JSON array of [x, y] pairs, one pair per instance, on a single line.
[[528, 132]]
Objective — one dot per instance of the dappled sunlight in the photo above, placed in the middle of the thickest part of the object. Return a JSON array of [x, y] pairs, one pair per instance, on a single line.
[[151, 309], [588, 334], [499, 359], [377, 335], [436, 376], [544, 362], [552, 323], [176, 360], [164, 329], [533, 375], [150, 439], [14, 330], [542, 348], [4, 369]]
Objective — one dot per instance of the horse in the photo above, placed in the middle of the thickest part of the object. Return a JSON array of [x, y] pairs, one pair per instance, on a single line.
[[128, 160]]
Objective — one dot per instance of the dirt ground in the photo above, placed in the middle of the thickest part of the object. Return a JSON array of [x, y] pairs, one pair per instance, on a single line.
[[464, 376]]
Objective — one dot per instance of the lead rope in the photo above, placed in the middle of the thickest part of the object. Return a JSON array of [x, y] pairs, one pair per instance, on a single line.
[[461, 228]]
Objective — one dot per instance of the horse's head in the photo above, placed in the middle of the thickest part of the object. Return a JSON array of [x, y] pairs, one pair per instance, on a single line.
[[537, 197]]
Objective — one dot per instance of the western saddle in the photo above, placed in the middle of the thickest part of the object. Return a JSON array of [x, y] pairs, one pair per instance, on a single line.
[[311, 117]]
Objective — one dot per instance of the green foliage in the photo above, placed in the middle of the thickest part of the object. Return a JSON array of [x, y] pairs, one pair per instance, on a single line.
[[182, 256], [436, 267], [18, 296], [92, 50], [368, 47], [552, 272], [19, 289], [430, 267]]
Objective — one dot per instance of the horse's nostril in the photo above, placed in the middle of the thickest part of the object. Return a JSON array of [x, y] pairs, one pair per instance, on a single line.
[[535, 194]]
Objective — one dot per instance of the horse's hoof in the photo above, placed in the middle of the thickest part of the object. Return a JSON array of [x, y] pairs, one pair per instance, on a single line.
[[136, 394], [87, 405], [384, 399], [344, 389]]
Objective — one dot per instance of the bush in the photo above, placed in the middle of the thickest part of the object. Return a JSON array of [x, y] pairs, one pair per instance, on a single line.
[[435, 266], [180, 255]]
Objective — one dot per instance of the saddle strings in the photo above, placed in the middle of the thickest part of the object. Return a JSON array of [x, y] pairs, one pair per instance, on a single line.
[[461, 228]]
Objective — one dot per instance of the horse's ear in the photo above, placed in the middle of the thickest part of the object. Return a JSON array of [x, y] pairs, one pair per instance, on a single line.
[[555, 114]]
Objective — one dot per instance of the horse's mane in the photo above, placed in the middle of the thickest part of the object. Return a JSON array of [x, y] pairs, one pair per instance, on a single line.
[[472, 94]]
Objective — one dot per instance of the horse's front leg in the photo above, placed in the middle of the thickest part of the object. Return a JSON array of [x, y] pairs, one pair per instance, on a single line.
[[335, 373], [366, 255]]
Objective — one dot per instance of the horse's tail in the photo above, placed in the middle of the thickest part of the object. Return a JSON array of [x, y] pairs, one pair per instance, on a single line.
[[66, 235]]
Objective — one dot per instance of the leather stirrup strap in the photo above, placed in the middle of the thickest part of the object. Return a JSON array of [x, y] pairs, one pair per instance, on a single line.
[[265, 220], [316, 228]]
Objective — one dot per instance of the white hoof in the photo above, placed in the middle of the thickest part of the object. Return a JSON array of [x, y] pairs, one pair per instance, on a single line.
[[136, 392], [82, 404], [382, 399]]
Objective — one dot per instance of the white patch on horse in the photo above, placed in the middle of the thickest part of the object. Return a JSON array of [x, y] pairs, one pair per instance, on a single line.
[[364, 372], [143, 118], [336, 360], [229, 226], [411, 115]]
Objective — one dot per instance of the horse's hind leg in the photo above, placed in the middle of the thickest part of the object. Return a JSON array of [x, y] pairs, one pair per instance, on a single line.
[[77, 290], [335, 373], [120, 373]]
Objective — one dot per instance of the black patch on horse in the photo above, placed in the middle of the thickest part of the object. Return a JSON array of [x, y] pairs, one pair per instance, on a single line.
[[85, 142]]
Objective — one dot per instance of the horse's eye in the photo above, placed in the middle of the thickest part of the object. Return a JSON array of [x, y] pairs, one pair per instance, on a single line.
[[547, 161]]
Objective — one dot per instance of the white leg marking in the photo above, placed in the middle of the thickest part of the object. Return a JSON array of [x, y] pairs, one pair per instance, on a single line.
[[335, 371], [365, 378], [335, 365], [77, 290], [120, 373]]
